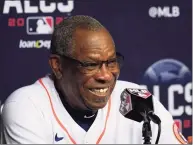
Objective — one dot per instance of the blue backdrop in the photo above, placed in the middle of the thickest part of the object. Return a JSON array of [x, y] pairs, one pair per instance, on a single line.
[[154, 36]]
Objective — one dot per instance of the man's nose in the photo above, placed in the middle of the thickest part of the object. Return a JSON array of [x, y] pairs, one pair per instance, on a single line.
[[103, 74]]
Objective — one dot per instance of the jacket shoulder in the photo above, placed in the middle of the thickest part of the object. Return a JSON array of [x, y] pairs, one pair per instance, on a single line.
[[33, 91]]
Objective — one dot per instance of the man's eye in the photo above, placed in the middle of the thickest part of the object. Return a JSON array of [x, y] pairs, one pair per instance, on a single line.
[[89, 64], [112, 62]]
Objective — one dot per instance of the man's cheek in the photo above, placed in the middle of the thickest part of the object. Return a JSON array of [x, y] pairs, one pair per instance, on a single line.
[[86, 82], [83, 91]]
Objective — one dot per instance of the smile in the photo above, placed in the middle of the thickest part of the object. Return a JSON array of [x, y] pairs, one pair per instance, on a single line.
[[100, 91]]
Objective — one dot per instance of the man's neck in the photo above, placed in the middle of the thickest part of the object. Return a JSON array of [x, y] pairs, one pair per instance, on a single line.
[[76, 112]]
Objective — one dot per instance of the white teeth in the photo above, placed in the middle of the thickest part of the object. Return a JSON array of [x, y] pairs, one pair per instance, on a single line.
[[100, 90]]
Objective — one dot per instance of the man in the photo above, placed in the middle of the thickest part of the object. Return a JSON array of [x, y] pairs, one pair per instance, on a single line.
[[79, 102]]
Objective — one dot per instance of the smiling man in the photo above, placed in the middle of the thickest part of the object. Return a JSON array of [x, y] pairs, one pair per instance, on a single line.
[[79, 102]]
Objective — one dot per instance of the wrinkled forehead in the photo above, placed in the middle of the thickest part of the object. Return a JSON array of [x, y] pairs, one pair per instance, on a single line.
[[98, 44]]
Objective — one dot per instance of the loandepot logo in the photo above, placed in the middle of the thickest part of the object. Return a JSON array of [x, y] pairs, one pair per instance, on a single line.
[[35, 44]]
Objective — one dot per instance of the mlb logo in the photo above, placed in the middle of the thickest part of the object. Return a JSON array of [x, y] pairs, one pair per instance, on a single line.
[[40, 25]]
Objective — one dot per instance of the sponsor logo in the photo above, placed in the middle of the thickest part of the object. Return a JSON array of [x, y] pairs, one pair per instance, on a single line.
[[36, 25], [58, 138], [40, 25], [165, 11], [34, 44]]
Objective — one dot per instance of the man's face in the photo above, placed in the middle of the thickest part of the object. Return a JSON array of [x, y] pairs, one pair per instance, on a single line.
[[91, 89]]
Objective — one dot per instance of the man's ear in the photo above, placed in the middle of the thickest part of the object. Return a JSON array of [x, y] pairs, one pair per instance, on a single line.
[[56, 66]]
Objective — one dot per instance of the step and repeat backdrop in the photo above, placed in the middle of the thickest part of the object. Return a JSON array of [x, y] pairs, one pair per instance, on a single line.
[[154, 36]]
